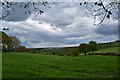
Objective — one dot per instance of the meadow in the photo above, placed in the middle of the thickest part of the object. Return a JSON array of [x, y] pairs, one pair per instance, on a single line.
[[0, 64], [112, 49], [27, 65]]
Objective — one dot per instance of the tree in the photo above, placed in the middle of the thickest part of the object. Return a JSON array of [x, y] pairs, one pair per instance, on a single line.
[[97, 9], [23, 49], [11, 43], [16, 42], [75, 51], [8, 6], [102, 9], [93, 46], [84, 48], [6, 42]]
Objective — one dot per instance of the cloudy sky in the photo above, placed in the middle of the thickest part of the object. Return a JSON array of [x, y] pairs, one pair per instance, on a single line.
[[64, 24]]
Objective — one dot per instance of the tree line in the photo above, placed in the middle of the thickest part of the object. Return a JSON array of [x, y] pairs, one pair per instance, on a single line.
[[86, 48], [83, 48], [13, 43], [10, 43]]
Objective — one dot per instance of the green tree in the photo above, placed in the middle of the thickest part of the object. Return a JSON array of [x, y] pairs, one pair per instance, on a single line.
[[9, 43], [16, 43], [93, 46], [75, 52], [6, 42], [83, 48], [23, 49]]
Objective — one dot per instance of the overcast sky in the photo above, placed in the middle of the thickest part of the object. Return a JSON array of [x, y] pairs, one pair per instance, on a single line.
[[64, 24]]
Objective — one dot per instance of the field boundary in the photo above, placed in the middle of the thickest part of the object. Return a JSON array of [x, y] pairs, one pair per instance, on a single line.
[[106, 53]]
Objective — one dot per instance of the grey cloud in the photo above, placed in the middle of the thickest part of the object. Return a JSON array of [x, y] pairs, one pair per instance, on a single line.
[[17, 15], [66, 29], [108, 29], [58, 17], [20, 13]]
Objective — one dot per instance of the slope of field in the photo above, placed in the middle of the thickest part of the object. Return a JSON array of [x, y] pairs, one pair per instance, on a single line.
[[0, 64], [24, 65], [113, 49]]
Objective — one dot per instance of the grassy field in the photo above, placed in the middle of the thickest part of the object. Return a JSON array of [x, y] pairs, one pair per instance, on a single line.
[[24, 65], [113, 49], [0, 64]]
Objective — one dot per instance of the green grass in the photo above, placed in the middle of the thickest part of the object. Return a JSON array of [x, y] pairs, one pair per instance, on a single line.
[[113, 49], [24, 65], [0, 64]]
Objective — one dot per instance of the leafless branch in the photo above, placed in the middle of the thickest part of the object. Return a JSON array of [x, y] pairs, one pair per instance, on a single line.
[[99, 9], [7, 6]]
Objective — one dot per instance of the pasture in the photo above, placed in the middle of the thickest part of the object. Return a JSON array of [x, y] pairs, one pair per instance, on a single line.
[[26, 65], [0, 64], [113, 49]]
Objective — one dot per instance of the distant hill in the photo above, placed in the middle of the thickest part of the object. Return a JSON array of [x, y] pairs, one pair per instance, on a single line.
[[109, 44], [70, 50], [112, 49], [100, 45]]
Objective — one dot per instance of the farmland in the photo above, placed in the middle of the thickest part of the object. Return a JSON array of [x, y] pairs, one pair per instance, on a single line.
[[113, 49], [26, 65], [0, 64]]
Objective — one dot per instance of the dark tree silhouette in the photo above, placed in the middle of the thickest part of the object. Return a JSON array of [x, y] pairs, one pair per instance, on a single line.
[[83, 48], [102, 9], [10, 43], [6, 41], [16, 42], [93, 46], [7, 6], [96, 9]]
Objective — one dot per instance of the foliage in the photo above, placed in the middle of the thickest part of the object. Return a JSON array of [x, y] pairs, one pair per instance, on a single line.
[[23, 49], [84, 48], [64, 51], [16, 42], [102, 8], [6, 41], [96, 9], [11, 43], [9, 6], [109, 45], [93, 46], [74, 51]]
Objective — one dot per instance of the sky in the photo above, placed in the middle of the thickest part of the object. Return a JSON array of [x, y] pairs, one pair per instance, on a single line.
[[65, 24]]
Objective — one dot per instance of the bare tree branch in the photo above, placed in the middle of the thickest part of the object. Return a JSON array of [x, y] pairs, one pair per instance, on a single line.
[[7, 6], [99, 9]]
